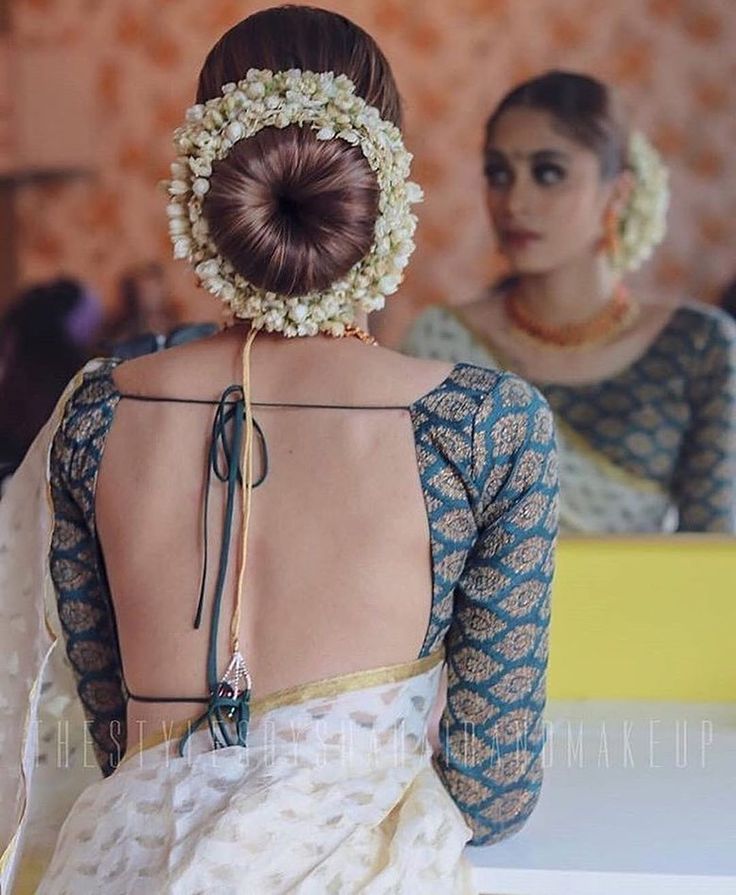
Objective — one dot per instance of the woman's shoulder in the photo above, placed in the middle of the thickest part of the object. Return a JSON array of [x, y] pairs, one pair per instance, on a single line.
[[488, 385], [433, 315], [699, 343], [85, 413], [436, 324], [452, 334], [491, 406], [704, 326], [91, 388]]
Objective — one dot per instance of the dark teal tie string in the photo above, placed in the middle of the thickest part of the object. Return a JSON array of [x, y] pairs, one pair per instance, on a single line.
[[227, 714]]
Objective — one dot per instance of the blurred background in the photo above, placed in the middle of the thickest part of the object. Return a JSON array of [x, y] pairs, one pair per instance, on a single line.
[[90, 92]]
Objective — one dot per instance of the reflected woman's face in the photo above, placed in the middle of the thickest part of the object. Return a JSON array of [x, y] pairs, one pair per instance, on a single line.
[[545, 192]]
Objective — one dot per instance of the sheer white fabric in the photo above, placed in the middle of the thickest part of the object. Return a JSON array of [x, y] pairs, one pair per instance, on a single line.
[[335, 793], [36, 689]]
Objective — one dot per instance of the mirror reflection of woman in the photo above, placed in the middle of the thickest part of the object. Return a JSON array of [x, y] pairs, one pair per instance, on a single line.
[[644, 392]]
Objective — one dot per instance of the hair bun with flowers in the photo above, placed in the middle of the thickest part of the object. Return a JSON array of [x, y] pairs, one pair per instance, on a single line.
[[643, 224], [327, 104]]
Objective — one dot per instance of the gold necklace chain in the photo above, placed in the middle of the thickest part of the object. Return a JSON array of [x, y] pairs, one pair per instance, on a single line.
[[356, 332], [350, 331]]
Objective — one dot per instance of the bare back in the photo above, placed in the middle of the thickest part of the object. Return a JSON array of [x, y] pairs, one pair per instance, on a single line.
[[338, 570]]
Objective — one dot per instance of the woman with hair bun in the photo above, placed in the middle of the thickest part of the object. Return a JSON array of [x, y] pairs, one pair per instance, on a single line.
[[261, 547], [643, 392]]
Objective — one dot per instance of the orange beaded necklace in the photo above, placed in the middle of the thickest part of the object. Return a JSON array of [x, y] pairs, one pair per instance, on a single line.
[[619, 312]]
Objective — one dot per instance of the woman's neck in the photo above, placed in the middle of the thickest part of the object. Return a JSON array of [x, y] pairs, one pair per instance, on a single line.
[[310, 345], [570, 294]]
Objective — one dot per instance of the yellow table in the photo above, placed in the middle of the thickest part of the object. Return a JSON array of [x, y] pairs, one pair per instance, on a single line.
[[647, 617]]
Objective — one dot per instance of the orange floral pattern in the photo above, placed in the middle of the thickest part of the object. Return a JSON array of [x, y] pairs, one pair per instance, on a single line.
[[453, 62], [7, 141]]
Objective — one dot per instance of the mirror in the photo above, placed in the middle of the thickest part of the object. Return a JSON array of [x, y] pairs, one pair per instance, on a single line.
[[524, 211]]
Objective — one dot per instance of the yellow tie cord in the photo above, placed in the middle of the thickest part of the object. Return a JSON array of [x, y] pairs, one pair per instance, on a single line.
[[247, 467]]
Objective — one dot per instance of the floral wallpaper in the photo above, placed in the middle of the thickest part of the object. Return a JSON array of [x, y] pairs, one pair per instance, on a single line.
[[6, 104], [672, 60]]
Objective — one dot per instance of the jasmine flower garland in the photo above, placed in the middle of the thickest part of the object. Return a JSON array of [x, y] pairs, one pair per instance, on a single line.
[[643, 222], [326, 103]]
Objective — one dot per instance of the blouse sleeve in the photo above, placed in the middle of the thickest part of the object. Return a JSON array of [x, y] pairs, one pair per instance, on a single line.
[[492, 728], [78, 572], [705, 478]]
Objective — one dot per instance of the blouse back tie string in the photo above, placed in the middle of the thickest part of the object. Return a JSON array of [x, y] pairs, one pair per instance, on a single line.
[[228, 711]]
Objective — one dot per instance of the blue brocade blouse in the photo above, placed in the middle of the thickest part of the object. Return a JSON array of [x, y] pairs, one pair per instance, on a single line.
[[486, 455]]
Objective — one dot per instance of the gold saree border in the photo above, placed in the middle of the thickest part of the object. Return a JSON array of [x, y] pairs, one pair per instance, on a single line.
[[606, 466], [302, 693], [580, 444]]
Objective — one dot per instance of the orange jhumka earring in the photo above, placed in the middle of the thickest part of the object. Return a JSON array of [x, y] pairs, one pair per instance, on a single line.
[[611, 242]]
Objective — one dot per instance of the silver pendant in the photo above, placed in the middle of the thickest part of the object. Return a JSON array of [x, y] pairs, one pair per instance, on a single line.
[[236, 679]]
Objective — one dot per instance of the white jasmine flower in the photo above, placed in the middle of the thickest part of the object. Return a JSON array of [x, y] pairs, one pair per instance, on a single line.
[[213, 118], [255, 90], [178, 187], [207, 269], [643, 223], [182, 247], [215, 285], [227, 291], [299, 313], [373, 303], [235, 131], [350, 136], [201, 167], [274, 320], [183, 145], [309, 328], [204, 140], [178, 226], [383, 246], [195, 113], [414, 193], [179, 170], [200, 230], [330, 306], [389, 284], [200, 186]]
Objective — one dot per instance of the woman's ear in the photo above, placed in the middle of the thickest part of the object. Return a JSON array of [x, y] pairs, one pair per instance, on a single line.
[[623, 187]]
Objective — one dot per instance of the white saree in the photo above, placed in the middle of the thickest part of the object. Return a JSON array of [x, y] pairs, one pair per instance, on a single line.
[[45, 759], [335, 793]]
